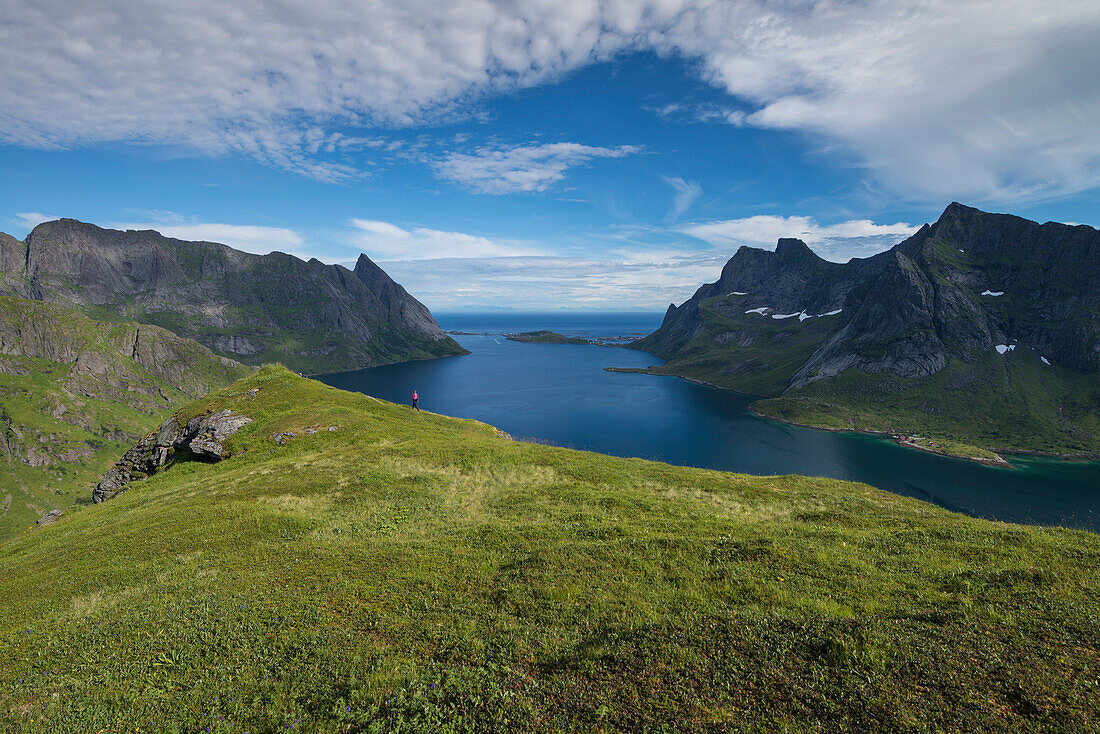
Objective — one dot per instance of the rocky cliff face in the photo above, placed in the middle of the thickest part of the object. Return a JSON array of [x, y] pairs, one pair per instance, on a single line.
[[253, 308], [136, 365], [970, 285], [75, 393]]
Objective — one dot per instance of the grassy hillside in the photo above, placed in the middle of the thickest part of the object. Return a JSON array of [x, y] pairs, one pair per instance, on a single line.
[[76, 393], [749, 353], [1012, 401], [411, 572]]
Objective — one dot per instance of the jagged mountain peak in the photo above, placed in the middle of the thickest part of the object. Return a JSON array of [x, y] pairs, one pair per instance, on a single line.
[[954, 290], [791, 247], [254, 308], [367, 269]]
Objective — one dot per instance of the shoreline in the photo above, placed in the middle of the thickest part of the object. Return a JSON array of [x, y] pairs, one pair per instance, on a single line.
[[315, 375], [1002, 463], [999, 461]]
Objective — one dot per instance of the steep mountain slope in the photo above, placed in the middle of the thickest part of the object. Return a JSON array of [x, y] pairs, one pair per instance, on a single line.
[[980, 326], [254, 308], [412, 572], [74, 393]]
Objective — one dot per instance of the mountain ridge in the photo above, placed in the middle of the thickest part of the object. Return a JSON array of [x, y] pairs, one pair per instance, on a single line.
[[962, 300], [252, 308]]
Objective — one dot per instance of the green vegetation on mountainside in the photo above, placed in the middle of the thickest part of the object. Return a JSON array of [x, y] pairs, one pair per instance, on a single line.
[[916, 337], [76, 393], [412, 572], [749, 353], [1012, 402]]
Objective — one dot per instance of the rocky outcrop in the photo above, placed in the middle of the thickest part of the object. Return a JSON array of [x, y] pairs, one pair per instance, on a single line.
[[202, 437], [49, 518], [252, 308]]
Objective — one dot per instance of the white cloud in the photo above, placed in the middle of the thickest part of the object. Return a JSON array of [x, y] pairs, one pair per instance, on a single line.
[[30, 220], [838, 242], [637, 282], [521, 168], [383, 240], [249, 238], [686, 194], [977, 100]]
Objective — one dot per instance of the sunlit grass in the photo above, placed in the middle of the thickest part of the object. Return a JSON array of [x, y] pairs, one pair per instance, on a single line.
[[414, 572]]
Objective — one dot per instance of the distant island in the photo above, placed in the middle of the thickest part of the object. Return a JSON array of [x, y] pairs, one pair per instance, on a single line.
[[546, 337]]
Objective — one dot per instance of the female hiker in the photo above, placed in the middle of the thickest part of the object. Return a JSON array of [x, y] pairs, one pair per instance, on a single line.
[[416, 399]]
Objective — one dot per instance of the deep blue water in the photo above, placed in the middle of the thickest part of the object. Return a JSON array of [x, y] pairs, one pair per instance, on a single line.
[[560, 394]]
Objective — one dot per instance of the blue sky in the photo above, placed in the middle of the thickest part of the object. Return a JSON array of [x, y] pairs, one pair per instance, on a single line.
[[534, 155]]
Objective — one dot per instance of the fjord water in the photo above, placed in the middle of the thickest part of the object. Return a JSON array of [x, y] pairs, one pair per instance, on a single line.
[[560, 394]]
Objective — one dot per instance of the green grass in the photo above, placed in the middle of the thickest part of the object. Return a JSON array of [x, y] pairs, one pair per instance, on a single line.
[[764, 367], [307, 351], [953, 448], [1012, 402], [26, 402], [73, 424], [412, 572]]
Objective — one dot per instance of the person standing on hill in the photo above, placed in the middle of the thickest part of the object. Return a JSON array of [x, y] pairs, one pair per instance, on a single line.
[[416, 400]]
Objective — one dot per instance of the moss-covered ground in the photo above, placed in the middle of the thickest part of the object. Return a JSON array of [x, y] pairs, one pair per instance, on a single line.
[[412, 572]]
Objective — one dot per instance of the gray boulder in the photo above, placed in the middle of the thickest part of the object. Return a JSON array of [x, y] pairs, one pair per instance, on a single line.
[[49, 518], [203, 437]]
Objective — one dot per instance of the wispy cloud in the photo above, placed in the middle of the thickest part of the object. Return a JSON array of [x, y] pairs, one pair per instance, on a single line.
[[386, 241], [705, 112], [252, 238], [521, 168], [840, 241], [645, 268], [686, 194], [30, 220], [881, 78], [635, 282]]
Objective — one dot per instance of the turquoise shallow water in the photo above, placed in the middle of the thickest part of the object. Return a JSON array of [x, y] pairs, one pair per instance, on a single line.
[[561, 394]]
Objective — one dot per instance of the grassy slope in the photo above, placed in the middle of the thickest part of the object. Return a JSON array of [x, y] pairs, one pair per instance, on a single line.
[[1008, 402], [96, 420], [306, 352], [414, 572], [762, 368]]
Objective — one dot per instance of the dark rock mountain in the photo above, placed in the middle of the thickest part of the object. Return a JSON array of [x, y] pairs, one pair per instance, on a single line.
[[909, 310], [253, 308], [974, 303]]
